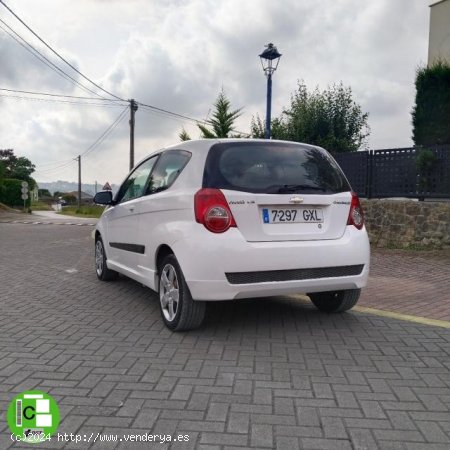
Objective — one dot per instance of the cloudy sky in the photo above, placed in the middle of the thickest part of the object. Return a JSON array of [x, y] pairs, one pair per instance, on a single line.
[[178, 54]]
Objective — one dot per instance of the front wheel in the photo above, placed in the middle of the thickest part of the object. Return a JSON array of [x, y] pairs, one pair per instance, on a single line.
[[101, 269], [335, 302], [178, 310]]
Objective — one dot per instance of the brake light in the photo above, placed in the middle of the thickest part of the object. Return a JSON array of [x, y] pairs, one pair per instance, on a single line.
[[212, 210], [356, 215]]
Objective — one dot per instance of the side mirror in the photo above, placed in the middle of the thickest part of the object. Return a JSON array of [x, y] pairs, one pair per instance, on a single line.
[[104, 198]]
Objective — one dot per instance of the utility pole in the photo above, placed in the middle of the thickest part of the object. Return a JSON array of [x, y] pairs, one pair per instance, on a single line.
[[133, 109], [79, 181]]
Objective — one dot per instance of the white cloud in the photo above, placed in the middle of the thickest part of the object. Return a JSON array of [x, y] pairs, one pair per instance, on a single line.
[[178, 54]]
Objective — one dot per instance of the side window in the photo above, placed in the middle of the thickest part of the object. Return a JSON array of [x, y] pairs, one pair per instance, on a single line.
[[136, 184], [167, 169]]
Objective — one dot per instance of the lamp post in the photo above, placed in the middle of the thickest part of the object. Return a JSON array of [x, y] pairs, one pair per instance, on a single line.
[[269, 61]]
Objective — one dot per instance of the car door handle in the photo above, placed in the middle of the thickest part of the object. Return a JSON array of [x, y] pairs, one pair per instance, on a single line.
[[131, 208]]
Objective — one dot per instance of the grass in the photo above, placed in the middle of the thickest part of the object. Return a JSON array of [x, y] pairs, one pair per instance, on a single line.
[[88, 211], [3, 207], [40, 206]]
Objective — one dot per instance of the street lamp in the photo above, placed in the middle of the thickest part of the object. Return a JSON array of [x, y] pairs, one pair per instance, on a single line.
[[269, 61]]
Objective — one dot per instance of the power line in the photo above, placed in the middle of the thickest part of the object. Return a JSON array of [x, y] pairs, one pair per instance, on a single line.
[[106, 133], [145, 106], [43, 59], [170, 113], [57, 95], [91, 148], [166, 112], [57, 54], [56, 168], [55, 162], [47, 100], [52, 65]]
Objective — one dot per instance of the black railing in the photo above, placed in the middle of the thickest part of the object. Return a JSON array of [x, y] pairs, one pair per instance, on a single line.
[[398, 172]]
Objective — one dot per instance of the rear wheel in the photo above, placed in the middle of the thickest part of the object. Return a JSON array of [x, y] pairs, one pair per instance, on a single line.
[[178, 310], [101, 269], [335, 302]]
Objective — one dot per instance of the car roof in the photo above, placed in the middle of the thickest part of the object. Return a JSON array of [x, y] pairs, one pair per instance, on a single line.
[[202, 145], [199, 146]]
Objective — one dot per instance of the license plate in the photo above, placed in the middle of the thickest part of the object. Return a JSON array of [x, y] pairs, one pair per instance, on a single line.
[[292, 215]]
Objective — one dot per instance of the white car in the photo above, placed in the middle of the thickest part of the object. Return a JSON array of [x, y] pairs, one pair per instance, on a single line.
[[235, 218]]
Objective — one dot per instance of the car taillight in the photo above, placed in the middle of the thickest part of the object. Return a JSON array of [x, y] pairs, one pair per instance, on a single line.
[[212, 210], [356, 215]]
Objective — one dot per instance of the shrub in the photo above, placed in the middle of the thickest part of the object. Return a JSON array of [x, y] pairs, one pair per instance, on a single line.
[[11, 194], [431, 113]]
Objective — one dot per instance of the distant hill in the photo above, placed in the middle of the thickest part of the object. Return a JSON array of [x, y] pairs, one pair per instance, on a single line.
[[69, 186]]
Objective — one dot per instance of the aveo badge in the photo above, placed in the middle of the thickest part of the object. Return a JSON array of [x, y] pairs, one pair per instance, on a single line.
[[33, 416]]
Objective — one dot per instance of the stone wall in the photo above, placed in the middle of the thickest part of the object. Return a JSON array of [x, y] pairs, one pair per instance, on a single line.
[[407, 223]]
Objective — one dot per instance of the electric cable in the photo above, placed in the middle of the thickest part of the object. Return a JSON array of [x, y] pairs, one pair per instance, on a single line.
[[47, 100], [57, 95], [57, 54], [103, 136], [162, 111], [57, 168], [91, 148], [43, 59]]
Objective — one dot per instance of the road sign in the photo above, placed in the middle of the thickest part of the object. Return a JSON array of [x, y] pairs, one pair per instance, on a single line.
[[24, 184], [24, 196], [24, 190]]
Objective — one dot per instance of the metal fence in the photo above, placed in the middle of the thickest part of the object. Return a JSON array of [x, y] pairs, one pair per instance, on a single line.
[[396, 172]]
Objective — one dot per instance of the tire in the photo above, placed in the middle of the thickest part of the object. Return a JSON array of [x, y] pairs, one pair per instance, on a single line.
[[335, 302], [101, 268], [178, 310]]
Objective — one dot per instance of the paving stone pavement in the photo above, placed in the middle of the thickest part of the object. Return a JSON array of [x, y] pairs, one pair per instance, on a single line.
[[416, 283], [263, 373]]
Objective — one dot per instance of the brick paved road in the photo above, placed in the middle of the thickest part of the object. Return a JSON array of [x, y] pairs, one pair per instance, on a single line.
[[409, 283], [271, 373]]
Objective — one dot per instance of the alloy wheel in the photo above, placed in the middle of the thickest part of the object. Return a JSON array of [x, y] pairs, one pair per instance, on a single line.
[[99, 257], [169, 293]]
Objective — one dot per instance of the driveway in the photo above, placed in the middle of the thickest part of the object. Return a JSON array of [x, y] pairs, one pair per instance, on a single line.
[[265, 373], [414, 283]]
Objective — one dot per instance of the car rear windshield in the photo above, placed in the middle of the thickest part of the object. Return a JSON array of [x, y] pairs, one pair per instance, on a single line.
[[272, 168]]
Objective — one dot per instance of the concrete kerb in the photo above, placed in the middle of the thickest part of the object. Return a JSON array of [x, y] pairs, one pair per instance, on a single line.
[[390, 314]]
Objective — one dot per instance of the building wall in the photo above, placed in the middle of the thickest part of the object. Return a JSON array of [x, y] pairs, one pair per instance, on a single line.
[[439, 41]]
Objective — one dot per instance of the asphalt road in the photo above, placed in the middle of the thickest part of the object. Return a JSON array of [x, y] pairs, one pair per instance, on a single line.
[[265, 373]]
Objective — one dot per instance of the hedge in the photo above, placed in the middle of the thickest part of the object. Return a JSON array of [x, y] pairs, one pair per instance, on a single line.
[[431, 114], [11, 192]]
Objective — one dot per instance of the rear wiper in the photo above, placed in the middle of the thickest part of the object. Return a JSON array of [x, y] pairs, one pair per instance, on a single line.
[[288, 188]]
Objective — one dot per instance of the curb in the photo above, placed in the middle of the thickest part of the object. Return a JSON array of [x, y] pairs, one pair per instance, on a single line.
[[33, 222], [389, 314], [400, 316]]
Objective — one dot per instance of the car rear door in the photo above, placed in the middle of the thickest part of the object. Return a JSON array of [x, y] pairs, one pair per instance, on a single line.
[[280, 191]]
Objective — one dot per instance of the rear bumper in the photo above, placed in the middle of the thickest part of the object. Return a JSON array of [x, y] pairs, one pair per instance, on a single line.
[[206, 263]]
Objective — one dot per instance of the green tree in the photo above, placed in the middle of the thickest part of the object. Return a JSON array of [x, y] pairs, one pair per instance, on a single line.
[[183, 135], [329, 118], [44, 193], [221, 123], [19, 168], [431, 113]]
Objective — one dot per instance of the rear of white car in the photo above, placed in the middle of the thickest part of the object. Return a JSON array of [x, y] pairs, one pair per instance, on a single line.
[[273, 218], [242, 218]]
